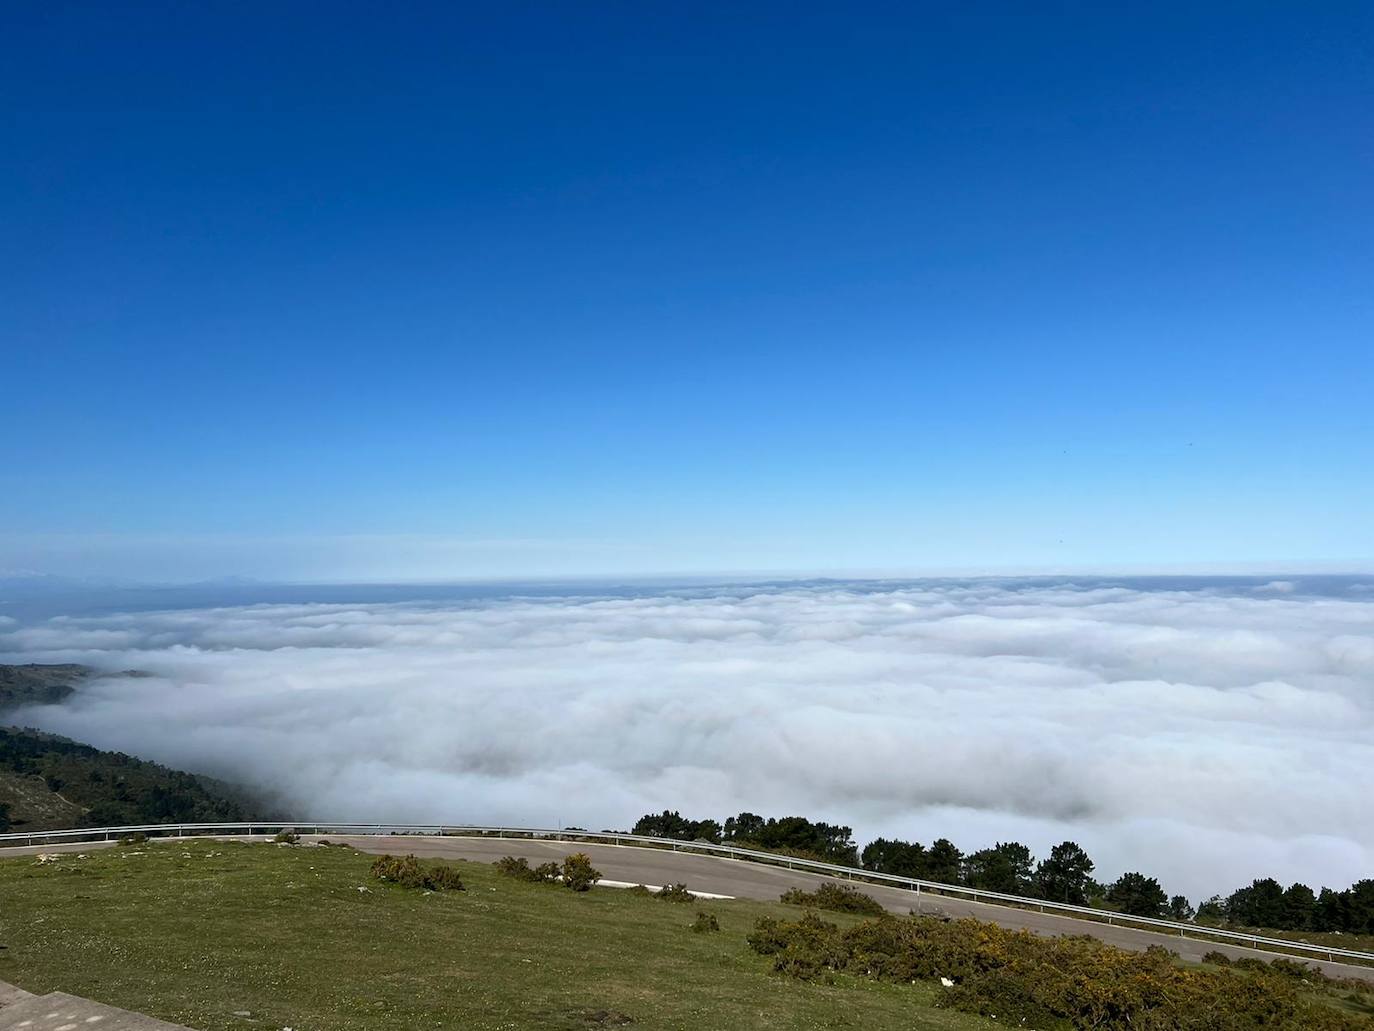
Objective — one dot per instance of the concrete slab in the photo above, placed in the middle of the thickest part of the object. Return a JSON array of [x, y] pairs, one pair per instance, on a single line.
[[61, 1012], [11, 994]]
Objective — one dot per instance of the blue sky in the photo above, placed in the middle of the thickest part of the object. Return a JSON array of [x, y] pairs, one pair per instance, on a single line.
[[444, 291]]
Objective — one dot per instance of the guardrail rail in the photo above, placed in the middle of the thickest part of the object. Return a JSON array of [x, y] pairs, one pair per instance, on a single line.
[[914, 884]]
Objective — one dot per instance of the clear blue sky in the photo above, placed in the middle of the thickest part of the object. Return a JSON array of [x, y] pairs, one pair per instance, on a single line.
[[470, 290]]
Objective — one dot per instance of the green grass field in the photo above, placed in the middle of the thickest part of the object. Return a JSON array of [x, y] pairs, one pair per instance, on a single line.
[[198, 934]]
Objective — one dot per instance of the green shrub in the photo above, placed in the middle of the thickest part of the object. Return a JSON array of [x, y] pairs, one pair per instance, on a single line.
[[838, 898], [409, 872], [804, 948], [578, 872], [1047, 983], [397, 869], [1298, 971], [705, 923], [640, 890], [674, 893], [442, 877], [521, 870], [1218, 958], [769, 936]]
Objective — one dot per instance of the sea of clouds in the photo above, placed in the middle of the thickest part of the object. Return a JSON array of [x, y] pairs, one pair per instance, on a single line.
[[1205, 734]]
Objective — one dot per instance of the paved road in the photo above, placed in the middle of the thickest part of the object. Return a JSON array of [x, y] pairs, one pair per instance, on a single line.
[[744, 879]]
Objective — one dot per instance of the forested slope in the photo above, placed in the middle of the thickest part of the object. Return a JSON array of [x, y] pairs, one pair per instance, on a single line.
[[49, 782]]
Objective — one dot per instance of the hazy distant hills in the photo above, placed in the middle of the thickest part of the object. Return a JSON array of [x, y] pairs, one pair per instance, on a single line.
[[36, 684], [49, 782], [46, 683]]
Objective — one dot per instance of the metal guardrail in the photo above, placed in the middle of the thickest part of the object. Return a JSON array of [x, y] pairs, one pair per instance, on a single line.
[[915, 884]]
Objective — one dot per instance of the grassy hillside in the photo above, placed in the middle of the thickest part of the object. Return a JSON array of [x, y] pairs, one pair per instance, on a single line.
[[200, 934]]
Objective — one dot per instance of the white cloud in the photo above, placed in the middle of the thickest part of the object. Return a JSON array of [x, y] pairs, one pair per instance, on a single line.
[[1207, 736]]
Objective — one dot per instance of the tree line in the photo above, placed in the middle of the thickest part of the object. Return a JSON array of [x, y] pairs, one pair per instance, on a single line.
[[1267, 903], [791, 834], [1065, 875]]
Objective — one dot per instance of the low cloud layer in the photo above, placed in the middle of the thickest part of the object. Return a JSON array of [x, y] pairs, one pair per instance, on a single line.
[[1206, 736]]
